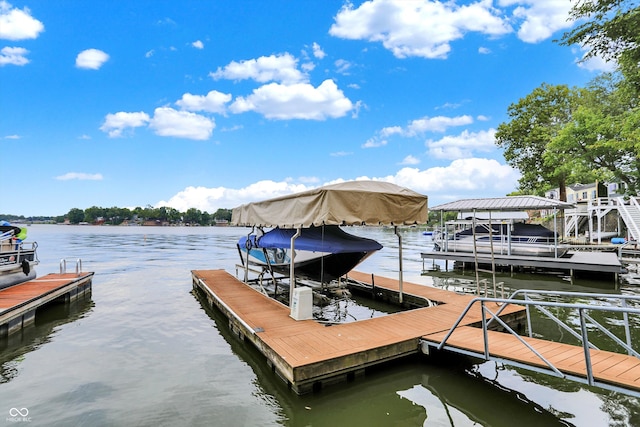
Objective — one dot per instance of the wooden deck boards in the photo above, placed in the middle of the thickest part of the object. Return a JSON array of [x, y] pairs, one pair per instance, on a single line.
[[612, 368], [36, 288], [18, 303]]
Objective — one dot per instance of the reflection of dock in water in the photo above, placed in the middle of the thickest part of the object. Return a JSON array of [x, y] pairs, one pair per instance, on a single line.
[[39, 333], [19, 304]]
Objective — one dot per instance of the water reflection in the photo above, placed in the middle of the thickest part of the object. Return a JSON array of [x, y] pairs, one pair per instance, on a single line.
[[144, 351], [47, 321]]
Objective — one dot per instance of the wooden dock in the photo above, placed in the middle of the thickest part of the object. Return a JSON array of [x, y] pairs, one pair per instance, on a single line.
[[307, 354], [19, 303], [619, 371]]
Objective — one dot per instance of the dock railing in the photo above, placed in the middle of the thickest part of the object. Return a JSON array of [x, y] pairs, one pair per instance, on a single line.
[[524, 297], [63, 266]]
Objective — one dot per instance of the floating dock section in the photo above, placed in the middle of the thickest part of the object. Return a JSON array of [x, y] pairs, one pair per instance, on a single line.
[[574, 261], [308, 355], [19, 303]]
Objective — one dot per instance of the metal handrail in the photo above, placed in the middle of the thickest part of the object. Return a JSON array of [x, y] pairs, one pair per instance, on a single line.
[[628, 218], [78, 266], [583, 310]]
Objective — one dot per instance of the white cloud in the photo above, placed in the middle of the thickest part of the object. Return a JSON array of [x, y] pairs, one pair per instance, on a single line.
[[212, 199], [116, 124], [198, 44], [91, 59], [317, 51], [80, 176], [595, 63], [374, 142], [280, 68], [484, 50], [341, 154], [462, 145], [13, 56], [464, 177], [460, 179], [391, 130], [181, 124], [426, 28], [417, 28], [296, 101], [417, 127], [410, 160], [343, 66], [13, 137], [436, 124], [16, 24], [213, 102], [539, 18]]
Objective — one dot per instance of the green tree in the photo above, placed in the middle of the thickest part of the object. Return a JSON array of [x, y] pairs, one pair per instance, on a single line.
[[93, 213], [75, 216], [223, 214], [535, 121], [601, 141], [193, 216], [610, 29]]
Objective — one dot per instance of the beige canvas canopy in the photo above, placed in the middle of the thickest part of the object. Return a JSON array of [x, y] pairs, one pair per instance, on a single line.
[[347, 203]]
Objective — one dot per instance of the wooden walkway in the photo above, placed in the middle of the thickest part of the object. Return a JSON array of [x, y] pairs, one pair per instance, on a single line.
[[18, 303], [618, 370], [308, 354]]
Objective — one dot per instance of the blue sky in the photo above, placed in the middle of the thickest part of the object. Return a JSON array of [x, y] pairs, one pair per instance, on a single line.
[[211, 104]]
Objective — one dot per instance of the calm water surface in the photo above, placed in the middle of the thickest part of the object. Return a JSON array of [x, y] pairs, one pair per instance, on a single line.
[[143, 350]]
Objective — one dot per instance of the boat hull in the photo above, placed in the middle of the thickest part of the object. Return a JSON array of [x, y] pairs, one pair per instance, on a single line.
[[503, 248], [15, 277]]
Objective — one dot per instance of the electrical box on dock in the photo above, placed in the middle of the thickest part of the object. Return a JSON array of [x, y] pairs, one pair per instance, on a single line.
[[302, 304]]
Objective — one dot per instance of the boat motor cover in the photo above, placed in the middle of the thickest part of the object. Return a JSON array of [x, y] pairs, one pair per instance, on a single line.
[[328, 238]]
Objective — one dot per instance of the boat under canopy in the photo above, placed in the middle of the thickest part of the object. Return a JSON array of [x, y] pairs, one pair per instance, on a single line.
[[322, 253], [347, 203], [509, 237]]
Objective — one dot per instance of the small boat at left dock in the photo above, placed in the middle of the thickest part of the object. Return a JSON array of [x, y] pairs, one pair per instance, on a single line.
[[17, 257]]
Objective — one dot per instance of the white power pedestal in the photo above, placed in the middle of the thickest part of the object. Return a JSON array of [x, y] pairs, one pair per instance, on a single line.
[[302, 304]]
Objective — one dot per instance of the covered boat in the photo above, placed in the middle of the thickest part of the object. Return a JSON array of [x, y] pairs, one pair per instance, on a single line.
[[505, 238], [322, 253], [325, 209], [17, 258], [499, 226]]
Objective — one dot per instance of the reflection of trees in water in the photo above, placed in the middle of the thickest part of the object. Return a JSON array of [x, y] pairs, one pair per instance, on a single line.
[[623, 410], [14, 348]]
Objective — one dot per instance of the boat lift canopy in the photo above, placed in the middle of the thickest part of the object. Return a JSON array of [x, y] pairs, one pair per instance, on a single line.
[[511, 203], [346, 203]]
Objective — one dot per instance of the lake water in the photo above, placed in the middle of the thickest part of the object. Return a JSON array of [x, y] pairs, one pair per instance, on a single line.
[[143, 350]]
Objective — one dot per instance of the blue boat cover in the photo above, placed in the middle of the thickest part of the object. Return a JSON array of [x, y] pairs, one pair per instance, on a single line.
[[328, 238]]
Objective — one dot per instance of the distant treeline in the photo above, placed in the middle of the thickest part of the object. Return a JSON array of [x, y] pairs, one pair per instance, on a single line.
[[118, 216]]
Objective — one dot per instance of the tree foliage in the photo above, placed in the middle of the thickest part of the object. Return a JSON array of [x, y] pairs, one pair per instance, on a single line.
[[164, 215], [610, 29], [559, 136], [535, 121]]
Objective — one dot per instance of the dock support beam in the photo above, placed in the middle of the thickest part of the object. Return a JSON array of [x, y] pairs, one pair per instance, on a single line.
[[399, 264]]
